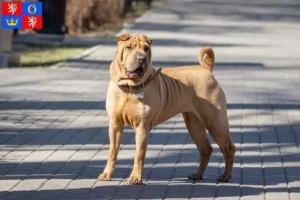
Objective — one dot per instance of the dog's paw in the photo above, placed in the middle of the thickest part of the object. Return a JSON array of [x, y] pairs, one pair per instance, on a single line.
[[195, 176], [134, 180], [104, 177], [224, 178]]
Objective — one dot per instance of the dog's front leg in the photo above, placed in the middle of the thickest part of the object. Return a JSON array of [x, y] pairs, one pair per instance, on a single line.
[[115, 137], [141, 137]]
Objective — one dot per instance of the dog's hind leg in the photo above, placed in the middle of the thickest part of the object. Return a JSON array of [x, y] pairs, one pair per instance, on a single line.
[[220, 133], [197, 131]]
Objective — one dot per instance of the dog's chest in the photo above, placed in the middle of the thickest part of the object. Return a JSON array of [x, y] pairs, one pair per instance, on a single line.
[[127, 108]]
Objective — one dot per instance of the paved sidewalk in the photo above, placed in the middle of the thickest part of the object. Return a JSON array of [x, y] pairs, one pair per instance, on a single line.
[[53, 124]]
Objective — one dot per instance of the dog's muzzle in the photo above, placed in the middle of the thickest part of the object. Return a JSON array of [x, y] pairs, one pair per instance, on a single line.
[[139, 72]]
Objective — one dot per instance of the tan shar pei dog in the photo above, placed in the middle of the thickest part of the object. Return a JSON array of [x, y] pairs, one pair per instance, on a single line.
[[142, 97]]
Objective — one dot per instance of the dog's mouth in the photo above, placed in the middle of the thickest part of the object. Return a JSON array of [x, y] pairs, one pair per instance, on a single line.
[[136, 73]]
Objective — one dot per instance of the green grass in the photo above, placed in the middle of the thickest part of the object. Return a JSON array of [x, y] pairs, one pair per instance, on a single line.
[[44, 55]]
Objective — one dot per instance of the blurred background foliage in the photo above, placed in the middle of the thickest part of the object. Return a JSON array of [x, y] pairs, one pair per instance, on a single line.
[[103, 16], [83, 18]]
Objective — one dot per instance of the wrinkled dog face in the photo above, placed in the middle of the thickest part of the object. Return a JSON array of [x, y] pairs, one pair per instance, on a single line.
[[136, 55]]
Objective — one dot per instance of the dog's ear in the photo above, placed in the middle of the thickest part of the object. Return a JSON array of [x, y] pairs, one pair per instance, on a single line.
[[146, 39], [124, 37]]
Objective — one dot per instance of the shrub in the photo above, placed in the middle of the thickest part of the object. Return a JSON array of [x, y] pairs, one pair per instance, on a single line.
[[86, 15]]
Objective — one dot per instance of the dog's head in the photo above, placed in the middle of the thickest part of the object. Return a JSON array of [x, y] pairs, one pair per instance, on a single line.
[[133, 57]]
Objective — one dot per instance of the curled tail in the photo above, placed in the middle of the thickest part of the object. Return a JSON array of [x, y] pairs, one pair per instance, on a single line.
[[208, 62]]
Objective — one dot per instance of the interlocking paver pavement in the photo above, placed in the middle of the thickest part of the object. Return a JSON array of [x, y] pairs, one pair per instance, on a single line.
[[53, 124]]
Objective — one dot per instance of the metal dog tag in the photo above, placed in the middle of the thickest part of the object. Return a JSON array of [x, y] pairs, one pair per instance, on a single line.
[[140, 95]]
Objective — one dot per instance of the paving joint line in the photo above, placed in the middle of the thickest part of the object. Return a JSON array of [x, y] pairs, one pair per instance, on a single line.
[[280, 153], [46, 157], [161, 150], [24, 118], [39, 108], [261, 155], [99, 149], [41, 131], [57, 149], [120, 149]]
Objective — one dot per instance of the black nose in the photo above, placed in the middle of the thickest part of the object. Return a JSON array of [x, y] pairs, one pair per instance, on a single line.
[[141, 59]]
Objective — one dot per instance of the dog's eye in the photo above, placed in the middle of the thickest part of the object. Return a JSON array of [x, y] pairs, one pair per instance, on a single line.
[[128, 47], [146, 48]]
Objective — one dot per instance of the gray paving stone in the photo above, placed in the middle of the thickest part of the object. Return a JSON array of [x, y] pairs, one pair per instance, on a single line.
[[31, 184], [144, 197]]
